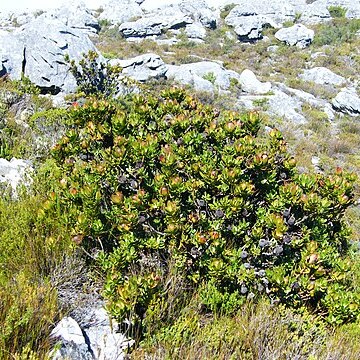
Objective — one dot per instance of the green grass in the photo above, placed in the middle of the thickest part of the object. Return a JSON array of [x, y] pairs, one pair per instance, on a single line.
[[31, 247], [257, 331]]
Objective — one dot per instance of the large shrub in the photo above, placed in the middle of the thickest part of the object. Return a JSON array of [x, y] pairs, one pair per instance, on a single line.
[[159, 184]]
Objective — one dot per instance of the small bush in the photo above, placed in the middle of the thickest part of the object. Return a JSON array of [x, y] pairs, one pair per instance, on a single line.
[[337, 11], [94, 77], [225, 11], [210, 77]]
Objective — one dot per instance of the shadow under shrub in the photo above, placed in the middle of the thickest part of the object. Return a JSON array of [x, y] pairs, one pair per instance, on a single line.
[[155, 186]]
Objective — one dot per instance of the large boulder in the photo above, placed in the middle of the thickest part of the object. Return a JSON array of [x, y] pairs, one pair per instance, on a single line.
[[249, 18], [77, 17], [195, 32], [151, 25], [322, 76], [200, 12], [286, 103], [296, 35], [37, 50], [318, 11], [142, 67], [159, 17], [347, 101], [118, 12], [250, 84], [184, 76], [203, 76]]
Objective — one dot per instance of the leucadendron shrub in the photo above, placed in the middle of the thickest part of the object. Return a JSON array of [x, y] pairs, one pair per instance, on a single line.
[[152, 184]]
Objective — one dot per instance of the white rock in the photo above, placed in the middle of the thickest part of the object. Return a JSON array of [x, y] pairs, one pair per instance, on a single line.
[[250, 84], [142, 67], [322, 76], [15, 172], [195, 31], [199, 75], [118, 12], [250, 17], [39, 47], [296, 35], [347, 101], [285, 106], [69, 330]]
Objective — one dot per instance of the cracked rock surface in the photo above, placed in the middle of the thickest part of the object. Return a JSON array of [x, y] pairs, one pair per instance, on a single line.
[[37, 50]]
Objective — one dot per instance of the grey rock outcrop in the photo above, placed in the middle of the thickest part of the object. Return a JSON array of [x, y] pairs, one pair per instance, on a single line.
[[195, 31], [203, 76], [37, 50], [347, 101], [153, 26], [118, 12], [200, 12], [322, 76], [143, 67], [250, 84], [158, 18], [77, 17], [286, 103], [285, 106], [296, 35], [249, 18], [96, 338], [318, 11]]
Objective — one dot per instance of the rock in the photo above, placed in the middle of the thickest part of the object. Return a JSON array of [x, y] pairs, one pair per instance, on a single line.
[[37, 50], [315, 13], [204, 75], [285, 106], [161, 16], [69, 330], [76, 17], [105, 343], [250, 84], [322, 76], [316, 162], [318, 12], [15, 172], [200, 12], [303, 97], [151, 25], [95, 338], [143, 67], [118, 12], [296, 35], [73, 343], [279, 104], [14, 18], [347, 101], [272, 48], [249, 18], [153, 6], [195, 31], [186, 77]]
